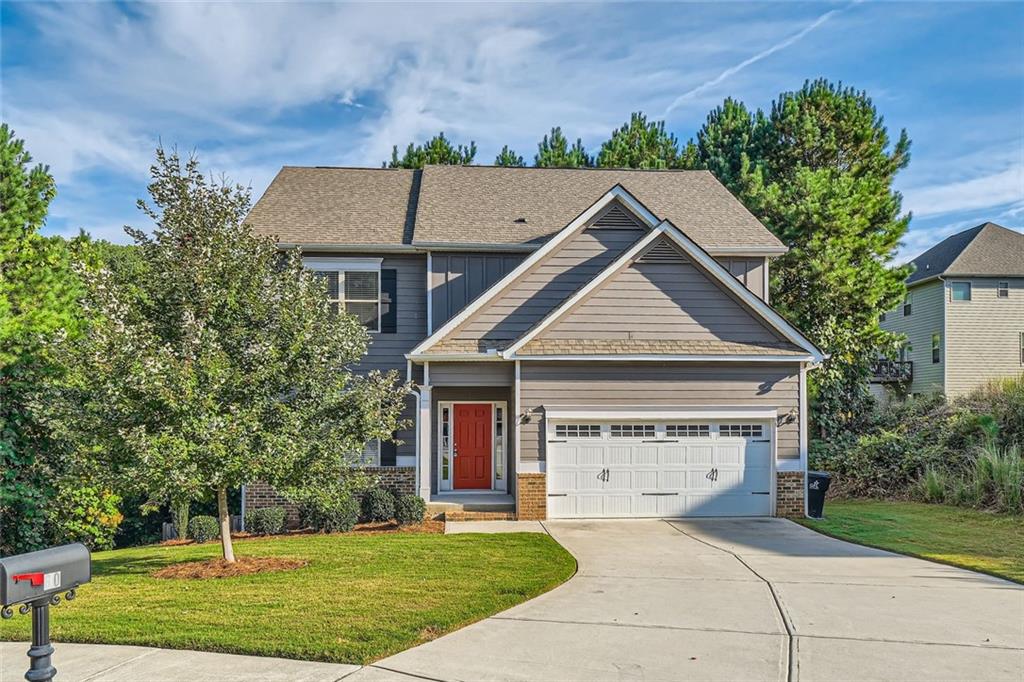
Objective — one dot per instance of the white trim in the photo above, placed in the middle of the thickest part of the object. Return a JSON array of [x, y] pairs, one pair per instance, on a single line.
[[332, 247], [615, 193], [423, 434], [803, 430], [475, 246], [534, 467], [503, 486], [455, 357], [767, 280], [655, 412], [430, 297], [747, 250], [518, 421], [341, 263], [664, 358], [707, 262], [426, 373]]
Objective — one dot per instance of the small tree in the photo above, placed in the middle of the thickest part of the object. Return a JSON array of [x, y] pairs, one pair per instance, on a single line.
[[436, 150], [554, 152], [508, 158], [223, 367], [640, 144]]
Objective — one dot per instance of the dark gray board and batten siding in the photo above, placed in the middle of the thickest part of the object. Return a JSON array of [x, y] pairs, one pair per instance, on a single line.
[[458, 278]]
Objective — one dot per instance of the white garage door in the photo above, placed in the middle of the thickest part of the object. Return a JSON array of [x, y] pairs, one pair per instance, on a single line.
[[657, 469]]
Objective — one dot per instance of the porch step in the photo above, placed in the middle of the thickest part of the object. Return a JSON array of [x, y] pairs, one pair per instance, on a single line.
[[450, 505], [480, 515]]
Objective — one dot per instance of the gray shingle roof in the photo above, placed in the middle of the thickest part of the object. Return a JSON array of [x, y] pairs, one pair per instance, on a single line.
[[985, 250], [338, 206], [487, 205]]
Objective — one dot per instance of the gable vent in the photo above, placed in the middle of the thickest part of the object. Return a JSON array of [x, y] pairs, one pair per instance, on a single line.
[[662, 252], [617, 218]]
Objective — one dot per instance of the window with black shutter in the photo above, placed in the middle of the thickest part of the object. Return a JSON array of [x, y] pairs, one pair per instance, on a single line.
[[389, 301]]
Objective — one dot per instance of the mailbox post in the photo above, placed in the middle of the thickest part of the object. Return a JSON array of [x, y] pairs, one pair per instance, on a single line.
[[33, 582]]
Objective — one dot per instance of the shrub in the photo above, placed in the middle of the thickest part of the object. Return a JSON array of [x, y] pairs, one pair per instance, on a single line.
[[330, 513], [203, 528], [378, 505], [265, 521], [85, 514], [999, 478], [410, 509], [933, 485]]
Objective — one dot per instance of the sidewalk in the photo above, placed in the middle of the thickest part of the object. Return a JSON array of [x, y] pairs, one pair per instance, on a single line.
[[102, 662]]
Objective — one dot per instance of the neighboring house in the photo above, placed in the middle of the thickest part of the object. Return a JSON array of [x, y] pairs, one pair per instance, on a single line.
[[584, 343], [963, 316]]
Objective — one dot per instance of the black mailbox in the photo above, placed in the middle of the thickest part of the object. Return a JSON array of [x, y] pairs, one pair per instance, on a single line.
[[26, 578]]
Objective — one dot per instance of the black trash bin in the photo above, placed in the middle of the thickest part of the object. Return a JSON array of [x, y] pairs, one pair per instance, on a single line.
[[817, 485]]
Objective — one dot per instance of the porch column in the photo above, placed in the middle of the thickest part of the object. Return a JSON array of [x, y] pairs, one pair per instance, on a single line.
[[423, 432]]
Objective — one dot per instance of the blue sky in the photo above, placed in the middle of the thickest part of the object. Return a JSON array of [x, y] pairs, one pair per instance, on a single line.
[[93, 87]]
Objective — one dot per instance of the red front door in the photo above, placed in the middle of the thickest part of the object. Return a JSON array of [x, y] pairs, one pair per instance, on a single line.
[[472, 446]]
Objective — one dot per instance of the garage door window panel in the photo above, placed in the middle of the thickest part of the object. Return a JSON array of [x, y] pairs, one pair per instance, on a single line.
[[688, 430], [578, 431], [741, 430], [632, 431]]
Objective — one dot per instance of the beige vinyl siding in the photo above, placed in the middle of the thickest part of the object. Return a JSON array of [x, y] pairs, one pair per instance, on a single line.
[[524, 302], [750, 271], [926, 318], [458, 278], [658, 383], [983, 334], [482, 373], [652, 301]]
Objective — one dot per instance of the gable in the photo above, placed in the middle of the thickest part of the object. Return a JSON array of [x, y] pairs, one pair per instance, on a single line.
[[662, 295], [525, 301]]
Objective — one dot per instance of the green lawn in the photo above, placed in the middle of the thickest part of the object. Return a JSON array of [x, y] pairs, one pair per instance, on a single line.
[[990, 543], [362, 597]]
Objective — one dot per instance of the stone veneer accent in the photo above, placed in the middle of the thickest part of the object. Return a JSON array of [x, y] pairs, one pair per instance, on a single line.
[[400, 479], [789, 494], [531, 497]]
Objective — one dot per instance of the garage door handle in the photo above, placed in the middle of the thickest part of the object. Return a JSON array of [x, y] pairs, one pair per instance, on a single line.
[[558, 494], [767, 493], [763, 440], [558, 441], [658, 494]]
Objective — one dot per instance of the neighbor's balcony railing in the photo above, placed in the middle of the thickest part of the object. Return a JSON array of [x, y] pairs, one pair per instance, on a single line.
[[884, 371]]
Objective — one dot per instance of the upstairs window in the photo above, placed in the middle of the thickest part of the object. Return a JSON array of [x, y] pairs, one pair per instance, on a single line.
[[1003, 290], [881, 318], [356, 292], [936, 348], [907, 304], [960, 291]]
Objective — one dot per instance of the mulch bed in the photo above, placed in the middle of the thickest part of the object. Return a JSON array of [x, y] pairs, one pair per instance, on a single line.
[[428, 526], [218, 568]]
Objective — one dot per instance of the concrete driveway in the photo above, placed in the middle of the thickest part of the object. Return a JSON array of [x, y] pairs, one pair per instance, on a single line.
[[745, 599]]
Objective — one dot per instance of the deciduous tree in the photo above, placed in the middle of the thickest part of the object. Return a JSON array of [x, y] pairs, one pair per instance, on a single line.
[[222, 367]]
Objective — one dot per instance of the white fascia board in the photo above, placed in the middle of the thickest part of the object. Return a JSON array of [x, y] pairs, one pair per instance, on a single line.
[[665, 358], [758, 251], [342, 263], [455, 357], [593, 284], [616, 192], [661, 412], [744, 294], [476, 246], [349, 248]]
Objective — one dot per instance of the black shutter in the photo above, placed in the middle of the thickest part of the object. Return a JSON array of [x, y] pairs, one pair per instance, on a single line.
[[388, 453], [388, 301]]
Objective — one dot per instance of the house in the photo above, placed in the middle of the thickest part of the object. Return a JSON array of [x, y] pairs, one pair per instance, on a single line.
[[963, 315], [584, 342]]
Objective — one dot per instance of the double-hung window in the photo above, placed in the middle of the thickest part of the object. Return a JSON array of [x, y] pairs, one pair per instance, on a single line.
[[908, 302], [960, 291], [936, 348], [353, 286], [1003, 290]]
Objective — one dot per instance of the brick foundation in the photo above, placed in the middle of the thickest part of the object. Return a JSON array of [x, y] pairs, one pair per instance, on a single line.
[[400, 479], [789, 494], [531, 497]]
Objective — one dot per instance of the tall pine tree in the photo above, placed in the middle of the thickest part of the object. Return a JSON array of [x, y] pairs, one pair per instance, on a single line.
[[554, 152], [508, 158], [818, 170], [640, 144], [436, 150]]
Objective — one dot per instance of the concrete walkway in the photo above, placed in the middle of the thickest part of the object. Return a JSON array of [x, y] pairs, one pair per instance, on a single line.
[[750, 599], [744, 599], [103, 663]]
